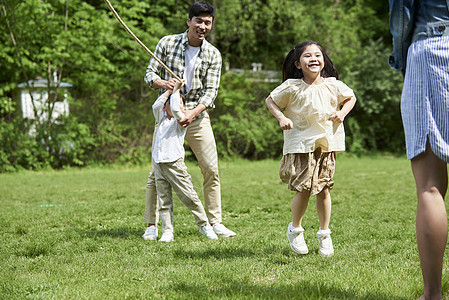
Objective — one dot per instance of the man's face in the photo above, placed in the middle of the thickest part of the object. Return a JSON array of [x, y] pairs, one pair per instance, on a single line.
[[199, 27]]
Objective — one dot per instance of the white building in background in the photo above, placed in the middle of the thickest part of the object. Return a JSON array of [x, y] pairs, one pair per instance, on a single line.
[[256, 73], [39, 92]]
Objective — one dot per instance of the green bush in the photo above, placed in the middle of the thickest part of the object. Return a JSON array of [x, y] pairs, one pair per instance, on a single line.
[[110, 105], [242, 124], [18, 150], [375, 122], [55, 146]]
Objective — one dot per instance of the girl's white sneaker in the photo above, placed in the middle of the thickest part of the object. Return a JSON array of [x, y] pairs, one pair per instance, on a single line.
[[326, 248], [295, 236]]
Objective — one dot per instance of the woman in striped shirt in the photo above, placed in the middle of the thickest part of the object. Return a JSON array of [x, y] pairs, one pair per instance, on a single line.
[[420, 32]]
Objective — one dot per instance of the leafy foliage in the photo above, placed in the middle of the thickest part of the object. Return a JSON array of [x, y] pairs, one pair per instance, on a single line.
[[242, 124], [110, 105], [376, 121]]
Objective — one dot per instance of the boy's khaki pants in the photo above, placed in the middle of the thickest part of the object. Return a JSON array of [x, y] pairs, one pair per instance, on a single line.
[[202, 142], [174, 175]]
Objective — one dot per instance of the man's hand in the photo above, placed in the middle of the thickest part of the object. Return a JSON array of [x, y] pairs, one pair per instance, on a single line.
[[189, 115], [170, 84], [178, 85], [165, 84]]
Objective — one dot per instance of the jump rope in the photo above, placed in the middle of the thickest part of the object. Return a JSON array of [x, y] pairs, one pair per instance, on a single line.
[[140, 43]]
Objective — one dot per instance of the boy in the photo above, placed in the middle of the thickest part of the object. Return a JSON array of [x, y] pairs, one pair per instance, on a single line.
[[193, 58], [169, 168]]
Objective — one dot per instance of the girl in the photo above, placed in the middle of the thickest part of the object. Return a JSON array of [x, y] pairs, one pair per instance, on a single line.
[[315, 103]]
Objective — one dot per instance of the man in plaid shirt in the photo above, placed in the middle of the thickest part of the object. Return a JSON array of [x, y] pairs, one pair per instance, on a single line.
[[190, 56]]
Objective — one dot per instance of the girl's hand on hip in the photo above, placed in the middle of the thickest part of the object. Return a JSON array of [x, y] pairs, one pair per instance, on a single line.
[[337, 117], [286, 124]]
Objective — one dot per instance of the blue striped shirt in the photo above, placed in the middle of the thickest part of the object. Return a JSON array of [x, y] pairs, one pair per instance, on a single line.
[[425, 97]]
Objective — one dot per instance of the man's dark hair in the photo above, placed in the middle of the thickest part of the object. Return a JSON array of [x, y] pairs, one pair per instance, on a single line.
[[201, 8]]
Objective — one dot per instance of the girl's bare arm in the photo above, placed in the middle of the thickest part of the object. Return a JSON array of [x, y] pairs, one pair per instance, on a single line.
[[347, 106], [284, 122]]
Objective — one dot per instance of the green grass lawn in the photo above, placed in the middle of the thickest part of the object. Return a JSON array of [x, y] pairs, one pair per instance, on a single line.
[[76, 234]]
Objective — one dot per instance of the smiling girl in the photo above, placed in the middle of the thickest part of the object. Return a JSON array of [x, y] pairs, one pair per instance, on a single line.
[[310, 106]]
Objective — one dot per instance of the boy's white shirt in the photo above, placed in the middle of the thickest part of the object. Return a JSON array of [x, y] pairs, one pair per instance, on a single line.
[[169, 140]]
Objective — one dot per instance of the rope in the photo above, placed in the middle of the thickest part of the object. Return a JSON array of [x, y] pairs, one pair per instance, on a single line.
[[140, 43]]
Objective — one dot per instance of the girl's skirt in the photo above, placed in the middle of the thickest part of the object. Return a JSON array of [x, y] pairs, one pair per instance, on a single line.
[[425, 97], [308, 171]]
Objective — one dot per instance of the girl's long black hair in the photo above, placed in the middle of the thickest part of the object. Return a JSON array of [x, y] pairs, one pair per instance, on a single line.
[[289, 70]]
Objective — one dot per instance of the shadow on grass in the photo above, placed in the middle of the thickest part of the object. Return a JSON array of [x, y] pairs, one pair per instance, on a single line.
[[214, 253], [299, 290], [122, 232], [35, 248], [225, 253]]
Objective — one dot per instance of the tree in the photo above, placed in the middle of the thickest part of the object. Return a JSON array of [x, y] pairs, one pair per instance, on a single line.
[[110, 109]]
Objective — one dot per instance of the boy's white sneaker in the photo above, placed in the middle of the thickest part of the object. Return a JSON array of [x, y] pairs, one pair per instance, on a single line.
[[208, 232], [150, 233], [295, 236], [326, 248], [222, 231], [167, 237]]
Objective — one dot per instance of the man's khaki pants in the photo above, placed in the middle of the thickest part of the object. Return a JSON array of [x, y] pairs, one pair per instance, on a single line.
[[202, 142], [174, 175]]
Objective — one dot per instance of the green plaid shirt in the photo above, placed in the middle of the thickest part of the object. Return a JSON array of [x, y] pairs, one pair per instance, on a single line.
[[171, 50]]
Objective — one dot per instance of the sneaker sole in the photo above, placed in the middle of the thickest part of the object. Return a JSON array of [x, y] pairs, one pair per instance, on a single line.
[[149, 238], [169, 241], [226, 235], [306, 251], [300, 251], [326, 255], [209, 237]]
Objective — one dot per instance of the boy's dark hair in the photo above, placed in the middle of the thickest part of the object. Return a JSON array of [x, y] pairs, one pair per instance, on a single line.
[[183, 98], [201, 8], [289, 70]]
